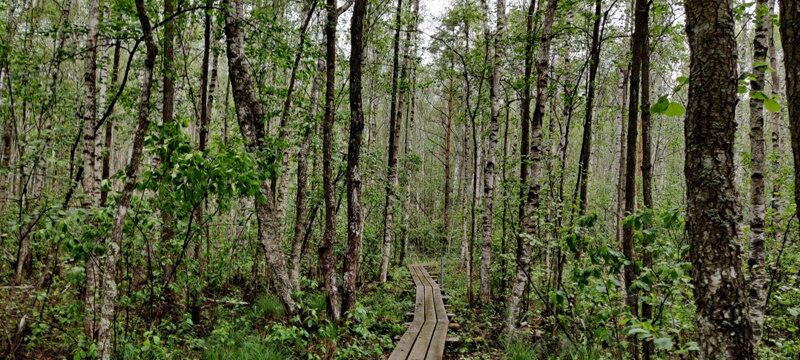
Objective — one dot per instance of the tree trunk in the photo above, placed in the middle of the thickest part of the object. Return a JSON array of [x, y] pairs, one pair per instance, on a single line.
[[168, 101], [249, 116], [530, 222], [638, 41], [776, 118], [494, 127], [90, 184], [109, 127], [281, 186], [586, 145], [525, 114], [395, 113], [756, 261], [105, 347], [448, 133], [327, 263], [647, 168], [721, 320], [411, 53], [355, 220], [301, 199]]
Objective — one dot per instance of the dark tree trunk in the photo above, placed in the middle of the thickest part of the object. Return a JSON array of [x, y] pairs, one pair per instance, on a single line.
[[586, 145], [168, 101], [637, 51], [395, 113], [355, 221], [327, 263], [722, 321], [109, 130], [525, 105], [647, 166]]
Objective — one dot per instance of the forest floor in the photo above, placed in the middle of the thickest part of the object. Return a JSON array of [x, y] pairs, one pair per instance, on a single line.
[[239, 322]]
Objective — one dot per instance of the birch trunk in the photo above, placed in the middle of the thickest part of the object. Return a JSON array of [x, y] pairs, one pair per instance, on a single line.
[[722, 320], [105, 347], [530, 221], [249, 116], [497, 52]]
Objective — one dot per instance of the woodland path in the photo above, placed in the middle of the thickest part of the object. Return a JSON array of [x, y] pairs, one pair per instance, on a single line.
[[426, 335]]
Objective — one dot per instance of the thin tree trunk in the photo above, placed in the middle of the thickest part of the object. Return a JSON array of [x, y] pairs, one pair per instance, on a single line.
[[90, 184], [411, 53], [647, 168], [629, 269], [168, 101], [756, 262], [355, 220], [301, 199], [327, 263], [105, 347], [281, 188], [586, 145], [448, 133], [530, 222], [109, 127], [721, 320], [395, 113], [525, 133], [494, 127]]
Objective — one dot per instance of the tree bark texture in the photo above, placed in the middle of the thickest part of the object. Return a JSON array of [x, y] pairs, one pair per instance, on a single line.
[[722, 320]]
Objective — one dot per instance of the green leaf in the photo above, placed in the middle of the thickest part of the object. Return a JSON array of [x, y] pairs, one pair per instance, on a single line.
[[771, 105], [663, 343], [761, 65], [675, 109], [741, 89], [660, 106], [758, 95]]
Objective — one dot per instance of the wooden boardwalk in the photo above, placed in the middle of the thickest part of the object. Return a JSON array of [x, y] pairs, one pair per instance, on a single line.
[[426, 335]]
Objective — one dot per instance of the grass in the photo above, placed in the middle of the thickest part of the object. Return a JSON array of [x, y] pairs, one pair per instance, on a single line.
[[244, 348]]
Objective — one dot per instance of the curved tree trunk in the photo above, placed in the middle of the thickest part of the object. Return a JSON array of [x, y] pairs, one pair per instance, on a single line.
[[105, 347], [249, 115]]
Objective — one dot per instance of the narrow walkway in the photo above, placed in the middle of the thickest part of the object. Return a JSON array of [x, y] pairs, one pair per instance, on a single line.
[[426, 336]]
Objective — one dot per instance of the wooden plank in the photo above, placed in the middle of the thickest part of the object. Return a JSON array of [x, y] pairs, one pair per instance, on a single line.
[[439, 337], [426, 335], [408, 339], [420, 350]]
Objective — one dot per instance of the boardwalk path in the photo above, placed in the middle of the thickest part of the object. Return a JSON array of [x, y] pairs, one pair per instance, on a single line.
[[426, 336]]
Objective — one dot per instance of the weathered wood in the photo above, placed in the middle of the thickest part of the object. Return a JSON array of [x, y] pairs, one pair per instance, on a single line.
[[426, 335]]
